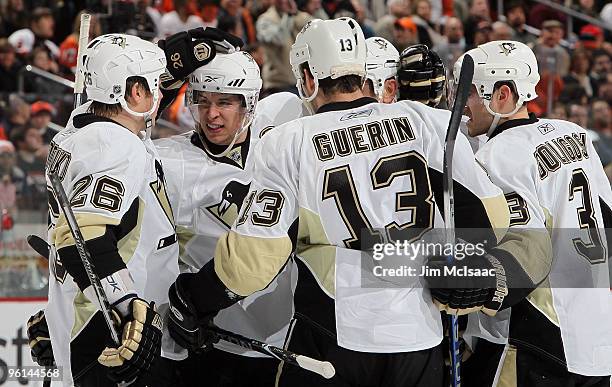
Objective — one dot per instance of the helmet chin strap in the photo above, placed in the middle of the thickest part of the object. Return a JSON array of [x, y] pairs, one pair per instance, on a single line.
[[246, 122], [499, 116], [307, 101], [148, 117]]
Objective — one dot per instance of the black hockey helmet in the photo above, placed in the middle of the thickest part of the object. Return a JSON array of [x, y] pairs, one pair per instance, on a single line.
[[421, 75]]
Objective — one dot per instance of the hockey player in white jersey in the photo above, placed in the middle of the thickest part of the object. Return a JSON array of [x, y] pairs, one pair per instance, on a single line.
[[208, 172], [109, 170], [555, 254], [382, 61], [115, 182], [321, 185]]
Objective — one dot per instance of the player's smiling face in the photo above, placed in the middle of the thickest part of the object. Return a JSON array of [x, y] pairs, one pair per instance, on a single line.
[[219, 115], [480, 118]]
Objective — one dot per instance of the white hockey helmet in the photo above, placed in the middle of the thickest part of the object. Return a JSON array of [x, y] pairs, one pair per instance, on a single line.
[[502, 60], [382, 62], [235, 73], [111, 59], [332, 48]]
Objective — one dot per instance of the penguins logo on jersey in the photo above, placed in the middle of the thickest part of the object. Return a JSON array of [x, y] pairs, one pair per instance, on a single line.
[[232, 196]]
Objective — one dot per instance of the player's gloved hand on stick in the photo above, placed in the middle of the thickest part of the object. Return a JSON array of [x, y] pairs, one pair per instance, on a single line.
[[186, 51], [464, 285], [185, 326], [140, 343], [39, 340]]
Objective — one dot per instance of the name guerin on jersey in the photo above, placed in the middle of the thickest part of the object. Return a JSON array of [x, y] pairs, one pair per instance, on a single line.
[[566, 149], [345, 141]]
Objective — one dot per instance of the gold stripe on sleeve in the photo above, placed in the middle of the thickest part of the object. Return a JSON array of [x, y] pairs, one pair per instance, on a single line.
[[247, 264]]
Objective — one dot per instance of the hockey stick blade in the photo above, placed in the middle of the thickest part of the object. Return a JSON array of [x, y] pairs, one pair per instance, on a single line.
[[39, 245], [323, 368], [462, 93]]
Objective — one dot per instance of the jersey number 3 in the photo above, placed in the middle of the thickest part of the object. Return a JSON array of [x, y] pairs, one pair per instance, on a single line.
[[592, 250], [340, 185]]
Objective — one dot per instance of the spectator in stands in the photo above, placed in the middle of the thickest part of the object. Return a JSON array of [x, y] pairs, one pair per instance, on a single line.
[[483, 33], [586, 7], [147, 19], [13, 17], [276, 31], [604, 90], [69, 47], [539, 106], [40, 33], [405, 33], [427, 29], [591, 38], [574, 93], [354, 10], [31, 157], [312, 7], [12, 178], [501, 31], [479, 11], [559, 112], [257, 52], [245, 27], [452, 45], [548, 51], [228, 24], [515, 16], [17, 114], [9, 67], [579, 114], [36, 84], [385, 27], [179, 20], [602, 66], [602, 117], [579, 72], [41, 113], [539, 13]]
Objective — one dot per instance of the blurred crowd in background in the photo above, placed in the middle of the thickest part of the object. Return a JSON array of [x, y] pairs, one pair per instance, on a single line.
[[38, 52]]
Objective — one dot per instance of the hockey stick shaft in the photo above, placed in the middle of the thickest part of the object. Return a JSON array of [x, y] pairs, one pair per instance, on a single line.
[[79, 80], [79, 242], [463, 91], [323, 368]]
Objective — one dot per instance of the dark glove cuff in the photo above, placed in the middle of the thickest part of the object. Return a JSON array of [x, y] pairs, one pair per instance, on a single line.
[[209, 293]]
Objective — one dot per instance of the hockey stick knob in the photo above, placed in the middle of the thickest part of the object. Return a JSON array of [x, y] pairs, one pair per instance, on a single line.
[[323, 368]]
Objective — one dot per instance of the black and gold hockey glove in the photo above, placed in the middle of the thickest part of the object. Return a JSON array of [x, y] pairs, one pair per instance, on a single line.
[[185, 327], [186, 51], [475, 283], [140, 344], [39, 340]]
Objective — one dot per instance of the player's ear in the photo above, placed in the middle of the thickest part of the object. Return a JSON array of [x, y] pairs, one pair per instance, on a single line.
[[132, 94], [390, 90], [505, 94], [309, 82]]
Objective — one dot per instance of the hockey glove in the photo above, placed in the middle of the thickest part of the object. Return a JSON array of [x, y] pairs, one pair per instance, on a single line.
[[185, 327], [140, 344], [476, 283], [186, 51], [40, 343]]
